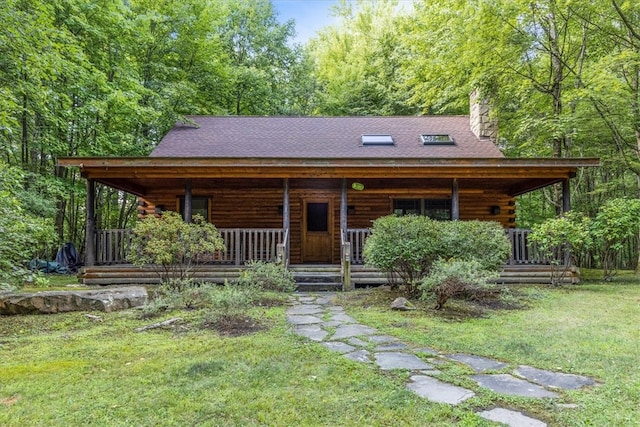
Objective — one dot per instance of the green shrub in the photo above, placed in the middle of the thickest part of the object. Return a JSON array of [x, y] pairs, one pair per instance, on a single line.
[[267, 276], [453, 278], [406, 246], [410, 245], [229, 301], [171, 246], [482, 241]]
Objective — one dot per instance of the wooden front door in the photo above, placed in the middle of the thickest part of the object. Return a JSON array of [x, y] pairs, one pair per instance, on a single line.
[[317, 235]]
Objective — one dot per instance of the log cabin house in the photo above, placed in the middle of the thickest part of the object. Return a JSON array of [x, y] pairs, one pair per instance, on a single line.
[[305, 190]]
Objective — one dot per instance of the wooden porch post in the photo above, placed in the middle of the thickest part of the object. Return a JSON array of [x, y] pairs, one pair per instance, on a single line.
[[187, 201], [455, 201], [566, 195], [90, 230], [286, 218], [566, 207], [343, 210]]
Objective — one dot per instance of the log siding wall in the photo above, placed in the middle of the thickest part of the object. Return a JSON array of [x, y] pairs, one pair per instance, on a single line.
[[242, 205]]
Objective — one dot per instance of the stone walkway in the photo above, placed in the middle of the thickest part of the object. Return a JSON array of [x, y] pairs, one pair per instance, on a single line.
[[317, 318]]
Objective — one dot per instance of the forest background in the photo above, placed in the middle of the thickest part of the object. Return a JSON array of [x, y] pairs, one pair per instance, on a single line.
[[111, 77]]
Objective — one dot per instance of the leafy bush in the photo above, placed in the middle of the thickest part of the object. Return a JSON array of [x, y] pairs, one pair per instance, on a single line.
[[410, 245], [457, 279], [267, 276], [406, 246], [171, 246], [481, 241], [229, 301], [553, 237]]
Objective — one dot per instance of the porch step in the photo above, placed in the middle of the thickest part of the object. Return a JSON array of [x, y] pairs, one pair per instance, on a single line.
[[317, 278]]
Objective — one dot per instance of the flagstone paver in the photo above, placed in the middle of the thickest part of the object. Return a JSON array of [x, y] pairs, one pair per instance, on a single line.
[[359, 356], [351, 339], [507, 384], [339, 347], [397, 360], [438, 391], [553, 379], [477, 363], [341, 317], [303, 320], [357, 342], [352, 330], [305, 309], [510, 418], [381, 339], [312, 332], [392, 346]]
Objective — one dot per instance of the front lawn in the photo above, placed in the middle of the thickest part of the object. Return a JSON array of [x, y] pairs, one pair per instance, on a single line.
[[71, 370]]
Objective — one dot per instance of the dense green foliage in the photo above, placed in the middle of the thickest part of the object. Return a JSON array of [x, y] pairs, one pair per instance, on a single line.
[[557, 237], [408, 246], [267, 276], [79, 77], [404, 245], [25, 236], [173, 247], [604, 237], [457, 278]]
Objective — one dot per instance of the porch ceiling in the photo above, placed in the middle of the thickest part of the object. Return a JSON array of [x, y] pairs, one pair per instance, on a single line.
[[511, 176]]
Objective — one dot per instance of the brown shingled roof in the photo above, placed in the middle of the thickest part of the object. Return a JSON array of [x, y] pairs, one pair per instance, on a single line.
[[321, 137]]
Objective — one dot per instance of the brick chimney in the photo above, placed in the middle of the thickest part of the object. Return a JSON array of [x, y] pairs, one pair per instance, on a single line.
[[482, 124]]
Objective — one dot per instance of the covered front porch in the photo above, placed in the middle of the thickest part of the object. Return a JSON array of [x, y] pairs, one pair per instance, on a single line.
[[316, 211], [525, 265]]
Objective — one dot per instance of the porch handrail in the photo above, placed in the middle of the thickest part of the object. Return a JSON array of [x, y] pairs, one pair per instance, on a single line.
[[283, 250]]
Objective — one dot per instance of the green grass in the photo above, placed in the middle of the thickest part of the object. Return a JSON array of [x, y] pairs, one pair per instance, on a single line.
[[591, 329], [69, 370]]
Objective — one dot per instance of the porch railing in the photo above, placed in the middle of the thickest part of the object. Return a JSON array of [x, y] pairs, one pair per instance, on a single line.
[[357, 236], [523, 252], [242, 245], [112, 246], [261, 244]]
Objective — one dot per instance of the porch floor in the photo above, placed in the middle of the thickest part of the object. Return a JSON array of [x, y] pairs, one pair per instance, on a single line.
[[308, 276]]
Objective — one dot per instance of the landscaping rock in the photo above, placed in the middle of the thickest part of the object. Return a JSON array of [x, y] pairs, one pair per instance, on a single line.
[[49, 302], [402, 304]]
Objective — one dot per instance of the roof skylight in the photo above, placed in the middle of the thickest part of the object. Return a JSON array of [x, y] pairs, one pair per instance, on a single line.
[[436, 139], [377, 140]]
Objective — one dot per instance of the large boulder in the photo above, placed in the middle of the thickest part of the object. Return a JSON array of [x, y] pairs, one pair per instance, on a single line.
[[48, 302]]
